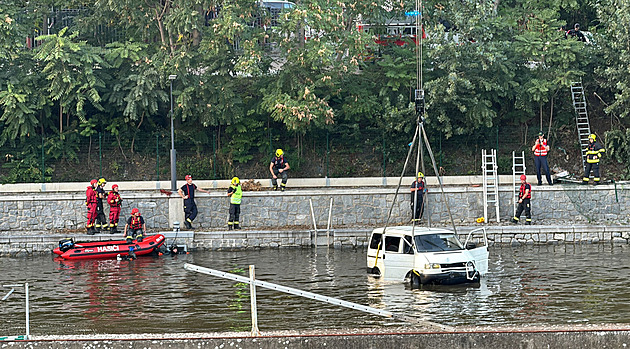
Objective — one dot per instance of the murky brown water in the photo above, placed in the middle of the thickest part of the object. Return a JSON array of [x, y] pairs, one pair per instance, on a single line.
[[527, 285]]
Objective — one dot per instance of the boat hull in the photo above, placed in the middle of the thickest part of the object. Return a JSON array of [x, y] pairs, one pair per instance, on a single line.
[[111, 248]]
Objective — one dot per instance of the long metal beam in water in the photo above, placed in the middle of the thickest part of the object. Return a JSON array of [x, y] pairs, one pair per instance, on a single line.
[[311, 295], [289, 290]]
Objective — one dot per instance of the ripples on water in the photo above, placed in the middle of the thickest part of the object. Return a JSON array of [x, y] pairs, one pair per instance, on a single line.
[[526, 285]]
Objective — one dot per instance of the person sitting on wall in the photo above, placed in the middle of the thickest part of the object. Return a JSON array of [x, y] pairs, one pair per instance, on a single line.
[[279, 167]]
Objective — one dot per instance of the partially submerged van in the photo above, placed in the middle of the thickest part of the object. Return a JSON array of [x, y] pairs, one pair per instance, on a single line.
[[421, 255]]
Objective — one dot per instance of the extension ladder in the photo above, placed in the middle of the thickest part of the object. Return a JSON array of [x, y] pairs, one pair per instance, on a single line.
[[581, 116], [490, 182], [518, 169]]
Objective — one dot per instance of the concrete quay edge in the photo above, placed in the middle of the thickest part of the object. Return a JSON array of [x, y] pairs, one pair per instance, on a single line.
[[553, 336], [362, 182]]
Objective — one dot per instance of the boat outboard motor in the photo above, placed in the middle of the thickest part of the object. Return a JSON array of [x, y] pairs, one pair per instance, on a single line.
[[66, 244]]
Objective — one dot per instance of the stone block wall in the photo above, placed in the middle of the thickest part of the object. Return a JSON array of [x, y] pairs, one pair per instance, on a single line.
[[55, 212]]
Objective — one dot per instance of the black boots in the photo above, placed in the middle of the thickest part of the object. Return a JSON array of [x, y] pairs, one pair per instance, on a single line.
[[187, 224]]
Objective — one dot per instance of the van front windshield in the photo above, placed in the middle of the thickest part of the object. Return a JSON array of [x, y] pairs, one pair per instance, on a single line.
[[437, 243]]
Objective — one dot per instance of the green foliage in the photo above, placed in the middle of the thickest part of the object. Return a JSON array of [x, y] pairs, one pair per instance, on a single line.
[[506, 64], [198, 166]]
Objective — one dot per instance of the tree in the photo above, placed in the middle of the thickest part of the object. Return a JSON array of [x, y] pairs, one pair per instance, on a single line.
[[71, 69]]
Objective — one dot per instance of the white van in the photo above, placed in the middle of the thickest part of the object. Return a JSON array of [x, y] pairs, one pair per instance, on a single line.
[[423, 255]]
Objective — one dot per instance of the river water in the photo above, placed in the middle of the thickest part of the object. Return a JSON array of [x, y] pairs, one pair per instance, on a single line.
[[559, 284]]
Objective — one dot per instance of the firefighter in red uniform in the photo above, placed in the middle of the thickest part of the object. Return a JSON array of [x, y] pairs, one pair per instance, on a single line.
[[524, 196], [594, 151], [90, 202], [115, 201], [135, 227]]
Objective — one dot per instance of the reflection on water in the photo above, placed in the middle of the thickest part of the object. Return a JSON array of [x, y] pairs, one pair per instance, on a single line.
[[526, 285]]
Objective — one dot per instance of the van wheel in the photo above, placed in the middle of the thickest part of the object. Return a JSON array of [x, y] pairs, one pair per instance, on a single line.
[[414, 281]]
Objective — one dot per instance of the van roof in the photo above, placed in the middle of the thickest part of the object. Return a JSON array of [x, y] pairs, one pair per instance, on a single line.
[[407, 230]]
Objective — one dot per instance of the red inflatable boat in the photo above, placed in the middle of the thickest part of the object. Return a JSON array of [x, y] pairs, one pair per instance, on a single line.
[[68, 249]]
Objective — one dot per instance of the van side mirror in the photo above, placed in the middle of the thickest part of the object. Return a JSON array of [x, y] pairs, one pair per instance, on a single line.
[[471, 245]]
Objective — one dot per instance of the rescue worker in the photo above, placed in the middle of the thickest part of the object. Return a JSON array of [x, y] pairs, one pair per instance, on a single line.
[[594, 151], [90, 202], [540, 149], [115, 201], [235, 192], [135, 227], [524, 196], [279, 167], [101, 221], [417, 197], [576, 33], [187, 192]]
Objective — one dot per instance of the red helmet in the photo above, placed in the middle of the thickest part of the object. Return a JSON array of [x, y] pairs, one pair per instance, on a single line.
[[523, 177], [134, 211], [188, 177], [114, 186], [92, 182]]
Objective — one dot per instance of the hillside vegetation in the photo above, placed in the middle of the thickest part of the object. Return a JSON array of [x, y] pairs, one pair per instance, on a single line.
[[85, 88]]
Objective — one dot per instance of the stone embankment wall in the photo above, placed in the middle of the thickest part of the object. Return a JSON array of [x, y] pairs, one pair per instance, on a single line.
[[33, 222], [53, 211]]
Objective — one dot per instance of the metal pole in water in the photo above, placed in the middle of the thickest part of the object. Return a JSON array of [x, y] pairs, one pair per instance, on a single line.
[[28, 324], [252, 295], [329, 222], [313, 216]]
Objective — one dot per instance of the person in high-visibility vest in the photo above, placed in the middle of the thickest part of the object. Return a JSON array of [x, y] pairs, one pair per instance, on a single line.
[[594, 151], [235, 193], [524, 204], [540, 149]]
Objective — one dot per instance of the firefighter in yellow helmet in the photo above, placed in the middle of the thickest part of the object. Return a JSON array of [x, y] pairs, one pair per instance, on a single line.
[[278, 168], [235, 192], [101, 221], [417, 197], [594, 151]]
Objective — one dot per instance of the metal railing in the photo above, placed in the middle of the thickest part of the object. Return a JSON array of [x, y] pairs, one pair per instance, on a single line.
[[294, 291], [28, 326]]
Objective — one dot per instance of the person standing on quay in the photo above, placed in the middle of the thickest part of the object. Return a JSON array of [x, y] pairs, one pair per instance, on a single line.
[[524, 197], [594, 151], [540, 149], [417, 197], [101, 221], [115, 201], [187, 192], [90, 202], [235, 192]]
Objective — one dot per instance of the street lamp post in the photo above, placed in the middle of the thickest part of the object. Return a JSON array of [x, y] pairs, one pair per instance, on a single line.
[[173, 157]]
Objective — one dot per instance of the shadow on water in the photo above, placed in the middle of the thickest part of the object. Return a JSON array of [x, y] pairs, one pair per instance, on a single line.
[[526, 285]]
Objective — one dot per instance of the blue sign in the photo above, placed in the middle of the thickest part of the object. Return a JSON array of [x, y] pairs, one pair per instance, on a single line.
[[413, 13]]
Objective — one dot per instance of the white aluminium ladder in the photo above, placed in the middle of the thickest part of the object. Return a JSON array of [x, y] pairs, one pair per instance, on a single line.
[[518, 169], [490, 182], [581, 116]]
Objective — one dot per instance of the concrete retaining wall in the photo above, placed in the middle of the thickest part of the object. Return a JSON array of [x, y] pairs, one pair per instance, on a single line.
[[463, 340], [55, 211]]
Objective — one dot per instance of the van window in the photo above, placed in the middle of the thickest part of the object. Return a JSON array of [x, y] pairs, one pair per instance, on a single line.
[[376, 239], [392, 243], [437, 243]]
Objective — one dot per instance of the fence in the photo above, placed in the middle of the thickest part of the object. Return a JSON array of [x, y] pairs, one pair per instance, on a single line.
[[219, 153]]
